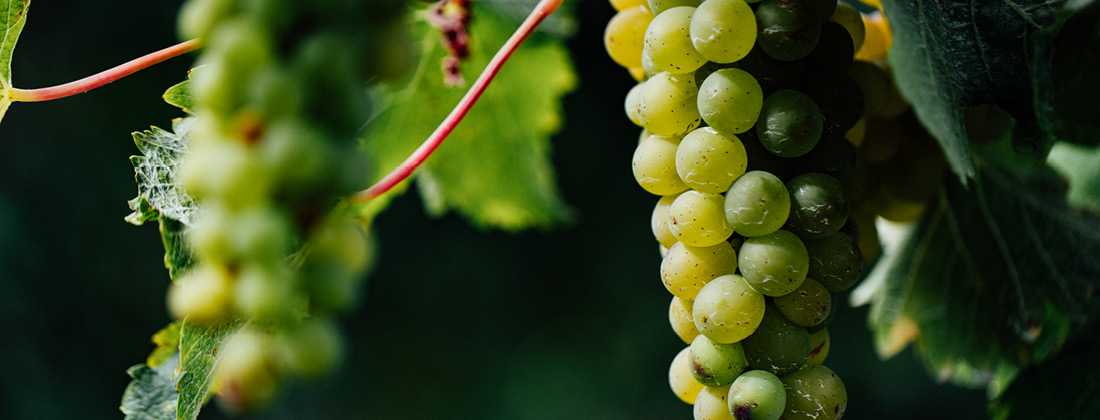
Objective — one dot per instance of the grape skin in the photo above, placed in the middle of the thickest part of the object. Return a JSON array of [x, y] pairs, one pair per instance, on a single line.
[[709, 161], [727, 310], [685, 269]]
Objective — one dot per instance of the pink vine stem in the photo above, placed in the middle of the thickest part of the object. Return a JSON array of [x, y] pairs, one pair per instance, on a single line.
[[406, 168], [104, 77]]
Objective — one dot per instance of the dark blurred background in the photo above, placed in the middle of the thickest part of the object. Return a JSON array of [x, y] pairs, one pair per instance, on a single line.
[[457, 323]]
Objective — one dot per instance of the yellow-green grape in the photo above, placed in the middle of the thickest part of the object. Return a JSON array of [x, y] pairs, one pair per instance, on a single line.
[[699, 219], [808, 305], [659, 221], [683, 384], [778, 345], [729, 100], [711, 404], [814, 393], [709, 161], [654, 165], [226, 170], [679, 316], [723, 31], [819, 347], [202, 295], [685, 269], [659, 6], [265, 293], [727, 310], [774, 264], [848, 17], [668, 41], [196, 16], [339, 256], [716, 364], [247, 375], [625, 35], [668, 104], [757, 204], [314, 348], [633, 103], [757, 395], [621, 5]]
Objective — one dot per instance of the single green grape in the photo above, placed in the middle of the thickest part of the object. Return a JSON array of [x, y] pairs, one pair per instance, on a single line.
[[790, 123], [778, 345], [709, 68], [727, 310], [716, 364], [261, 292], [757, 204], [668, 104], [818, 205], [680, 380], [834, 52], [835, 261], [654, 165], [314, 348], [685, 269], [659, 221], [709, 161], [807, 306], [679, 316], [698, 219], [757, 395], [787, 29], [659, 6], [840, 100], [819, 347], [814, 393], [729, 100], [711, 404], [633, 103], [774, 264], [203, 295], [625, 35], [668, 41], [723, 31]]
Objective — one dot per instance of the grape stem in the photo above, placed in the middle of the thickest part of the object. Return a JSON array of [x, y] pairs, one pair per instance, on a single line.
[[406, 168], [104, 77]]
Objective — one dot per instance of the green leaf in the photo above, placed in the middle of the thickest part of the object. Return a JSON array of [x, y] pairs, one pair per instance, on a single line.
[[1060, 388], [992, 278], [168, 344], [152, 393], [1065, 95], [495, 168], [180, 94], [200, 349], [13, 15], [950, 54], [156, 173]]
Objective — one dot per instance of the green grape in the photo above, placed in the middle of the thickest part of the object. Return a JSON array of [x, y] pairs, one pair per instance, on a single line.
[[262, 292], [621, 5], [679, 316], [774, 264], [680, 380], [723, 31], [834, 304], [698, 219], [833, 156], [807, 306], [668, 104], [823, 9], [659, 221], [711, 404], [835, 261], [298, 158], [840, 101], [778, 345], [668, 41], [814, 393], [261, 234], [819, 347], [340, 252], [850, 18], [709, 68], [633, 103], [727, 310], [196, 17], [790, 123], [654, 165], [757, 204], [760, 159], [202, 295], [247, 372], [625, 35], [818, 205], [730, 100], [709, 161], [772, 74], [757, 395], [314, 348], [659, 6], [685, 269], [649, 68], [225, 170], [875, 84], [834, 51], [716, 364], [787, 30]]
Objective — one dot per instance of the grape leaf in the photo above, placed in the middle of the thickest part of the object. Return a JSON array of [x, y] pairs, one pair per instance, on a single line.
[[950, 54], [1063, 387], [13, 15], [992, 278], [495, 167], [200, 346], [152, 393], [1064, 93], [156, 173]]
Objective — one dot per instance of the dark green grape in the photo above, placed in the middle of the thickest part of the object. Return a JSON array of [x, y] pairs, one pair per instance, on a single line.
[[814, 393], [835, 261], [772, 74], [818, 205], [823, 9], [834, 156], [757, 395], [807, 306], [840, 100], [835, 305], [790, 123], [774, 264], [834, 51], [716, 364], [778, 345], [787, 29], [760, 159], [710, 67]]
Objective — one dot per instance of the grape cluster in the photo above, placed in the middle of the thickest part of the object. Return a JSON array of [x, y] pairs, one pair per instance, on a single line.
[[752, 112], [280, 96]]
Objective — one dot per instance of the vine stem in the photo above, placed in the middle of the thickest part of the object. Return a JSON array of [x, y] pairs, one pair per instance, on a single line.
[[104, 77], [543, 10]]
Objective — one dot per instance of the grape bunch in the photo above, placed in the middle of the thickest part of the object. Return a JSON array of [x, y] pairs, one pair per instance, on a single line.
[[752, 113], [280, 97]]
